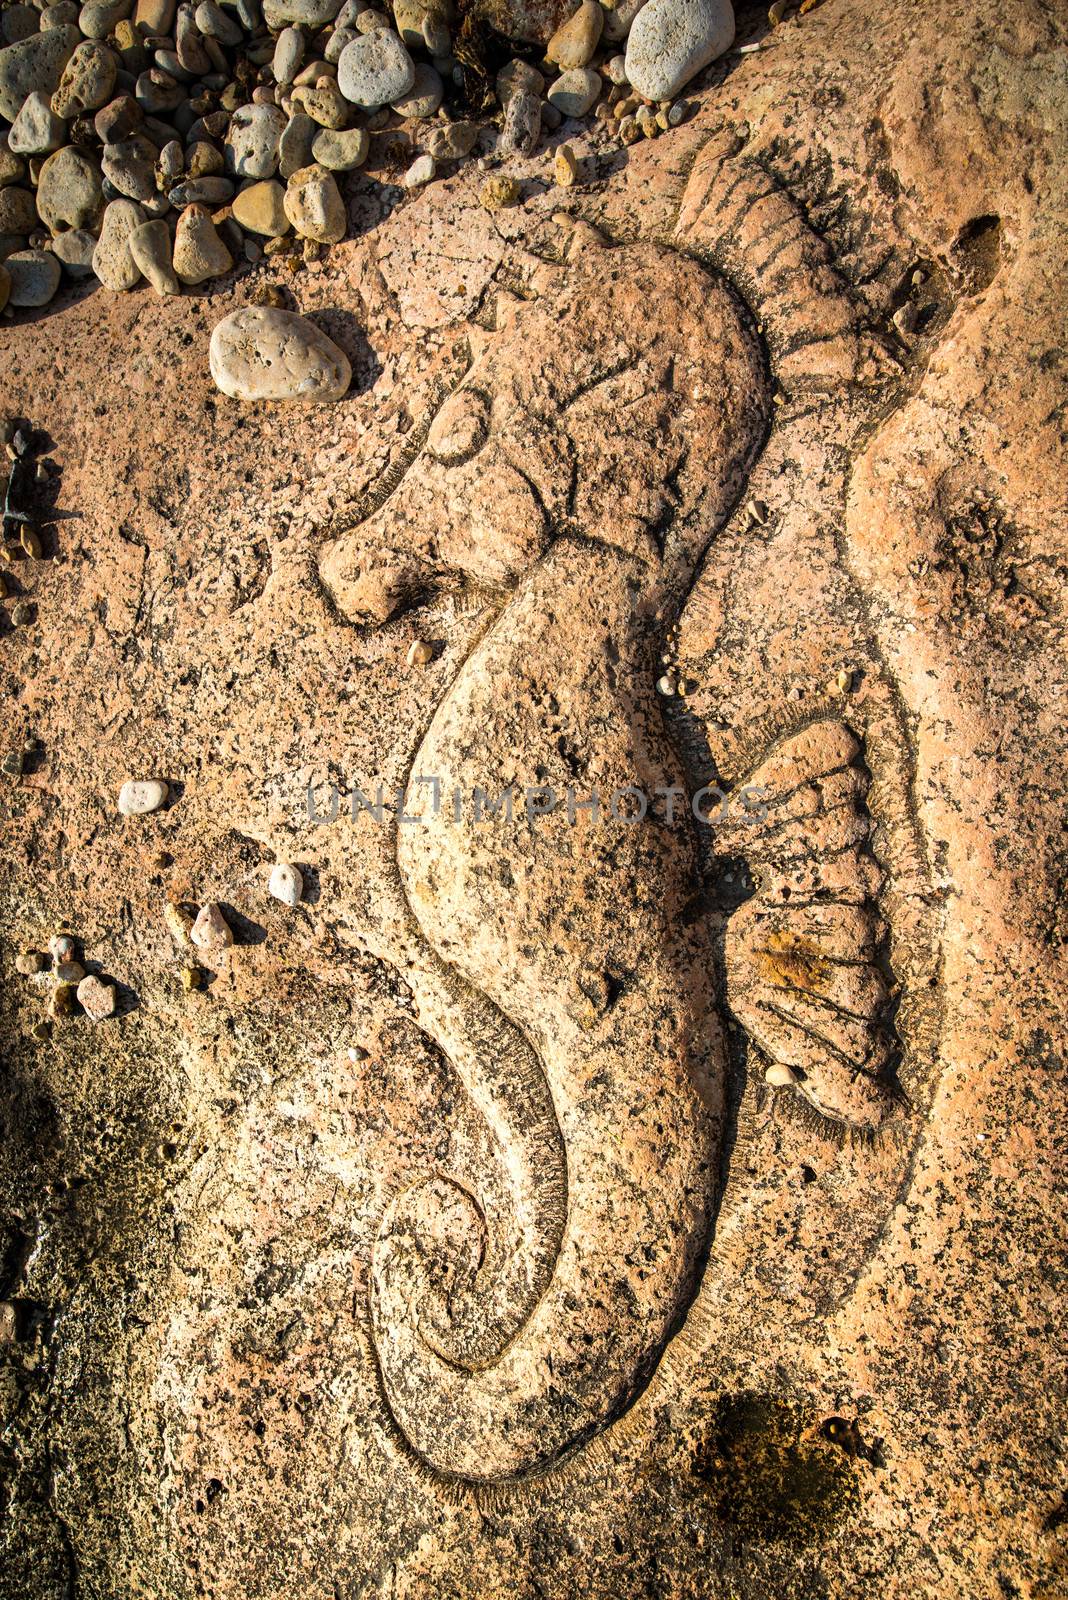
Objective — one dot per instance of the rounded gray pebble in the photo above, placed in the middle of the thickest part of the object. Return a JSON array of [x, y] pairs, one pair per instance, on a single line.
[[34, 277], [375, 70]]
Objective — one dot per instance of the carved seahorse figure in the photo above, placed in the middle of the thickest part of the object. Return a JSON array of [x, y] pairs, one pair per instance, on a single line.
[[580, 470]]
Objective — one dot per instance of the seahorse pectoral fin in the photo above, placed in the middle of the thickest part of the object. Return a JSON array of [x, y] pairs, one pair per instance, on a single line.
[[804, 967]]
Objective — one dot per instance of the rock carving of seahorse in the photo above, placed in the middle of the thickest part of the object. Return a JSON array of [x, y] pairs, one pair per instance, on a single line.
[[579, 470]]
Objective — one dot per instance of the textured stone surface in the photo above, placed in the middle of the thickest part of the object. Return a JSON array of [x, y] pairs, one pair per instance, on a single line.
[[727, 1159]]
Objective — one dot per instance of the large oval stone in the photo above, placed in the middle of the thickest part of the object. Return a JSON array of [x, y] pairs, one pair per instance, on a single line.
[[262, 353]]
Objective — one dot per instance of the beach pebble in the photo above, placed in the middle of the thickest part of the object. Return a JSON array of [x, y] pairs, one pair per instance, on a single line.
[[341, 151], [150, 247], [18, 210], [425, 95], [420, 652], [154, 17], [34, 277], [420, 172], [286, 884], [18, 22], [499, 192], [261, 209], [575, 91], [30, 962], [778, 1074], [264, 353], [288, 55], [573, 43], [97, 999], [61, 1001], [325, 104], [210, 930], [118, 119], [214, 190], [337, 42], [618, 23], [199, 253], [375, 70], [305, 13], [87, 81], [215, 23], [203, 160], [139, 796], [408, 17], [36, 131], [129, 165], [62, 947], [453, 141], [69, 194], [112, 261], [521, 125], [35, 63], [12, 167], [98, 18], [296, 144], [671, 40], [518, 77], [59, 15], [565, 166], [314, 205], [69, 971], [252, 141], [615, 70]]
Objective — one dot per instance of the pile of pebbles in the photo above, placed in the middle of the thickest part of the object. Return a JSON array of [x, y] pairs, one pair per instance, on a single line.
[[144, 140]]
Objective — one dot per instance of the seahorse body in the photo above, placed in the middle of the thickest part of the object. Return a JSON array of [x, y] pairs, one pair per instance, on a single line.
[[582, 466]]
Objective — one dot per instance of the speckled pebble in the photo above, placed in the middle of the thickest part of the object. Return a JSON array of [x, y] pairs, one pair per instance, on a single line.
[[87, 81], [36, 131], [112, 261], [252, 141], [671, 40], [199, 253], [375, 70], [150, 247], [265, 353], [35, 276], [425, 95]]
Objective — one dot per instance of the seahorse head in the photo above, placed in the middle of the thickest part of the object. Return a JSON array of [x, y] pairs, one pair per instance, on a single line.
[[620, 403]]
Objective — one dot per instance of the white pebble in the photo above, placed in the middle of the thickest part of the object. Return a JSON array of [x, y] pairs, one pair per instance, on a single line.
[[139, 796], [286, 884], [211, 931]]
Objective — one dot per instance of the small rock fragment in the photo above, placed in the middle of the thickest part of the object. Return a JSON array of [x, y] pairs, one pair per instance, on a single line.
[[286, 883], [210, 930], [96, 998], [420, 172], [29, 962], [261, 208], [778, 1075], [499, 192], [565, 166], [140, 796], [340, 151], [70, 971], [419, 653], [62, 947], [573, 43]]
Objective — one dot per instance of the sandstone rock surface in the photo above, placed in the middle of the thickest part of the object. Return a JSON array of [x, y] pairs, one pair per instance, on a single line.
[[556, 1203]]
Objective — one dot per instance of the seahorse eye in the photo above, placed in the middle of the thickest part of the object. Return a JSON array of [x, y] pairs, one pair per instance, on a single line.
[[460, 428]]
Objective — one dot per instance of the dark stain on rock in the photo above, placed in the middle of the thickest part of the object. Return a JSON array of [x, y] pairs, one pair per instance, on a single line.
[[773, 1474]]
